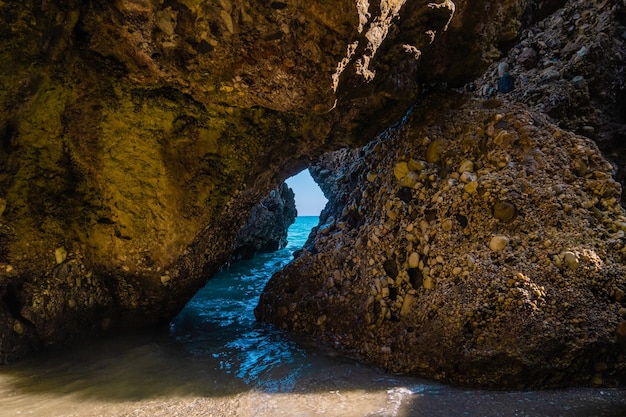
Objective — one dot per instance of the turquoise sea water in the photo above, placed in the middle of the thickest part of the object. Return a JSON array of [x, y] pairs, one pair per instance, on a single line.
[[214, 360], [219, 321]]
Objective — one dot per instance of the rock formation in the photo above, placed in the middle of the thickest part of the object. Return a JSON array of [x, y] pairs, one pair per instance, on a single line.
[[267, 226], [478, 242], [570, 67], [137, 135]]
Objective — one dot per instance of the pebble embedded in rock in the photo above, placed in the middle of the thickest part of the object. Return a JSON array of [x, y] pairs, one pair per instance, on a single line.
[[579, 82], [570, 260], [468, 177], [400, 170], [429, 284], [504, 211], [409, 299], [503, 68], [416, 165], [498, 243], [471, 187], [506, 84], [434, 151], [466, 166], [60, 254], [528, 58]]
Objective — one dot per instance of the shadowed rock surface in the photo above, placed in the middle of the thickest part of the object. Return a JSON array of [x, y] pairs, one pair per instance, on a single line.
[[479, 246], [477, 242], [136, 135], [266, 229], [570, 67]]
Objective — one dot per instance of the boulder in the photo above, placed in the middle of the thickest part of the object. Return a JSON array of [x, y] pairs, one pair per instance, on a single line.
[[476, 243]]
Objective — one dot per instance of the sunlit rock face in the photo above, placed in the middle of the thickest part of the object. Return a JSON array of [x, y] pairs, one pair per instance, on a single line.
[[136, 135], [476, 243]]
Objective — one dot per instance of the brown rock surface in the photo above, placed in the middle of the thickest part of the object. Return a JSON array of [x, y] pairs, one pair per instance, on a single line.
[[477, 243], [578, 74], [472, 244], [136, 135]]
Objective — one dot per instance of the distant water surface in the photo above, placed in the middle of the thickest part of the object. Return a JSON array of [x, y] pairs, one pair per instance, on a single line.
[[215, 360]]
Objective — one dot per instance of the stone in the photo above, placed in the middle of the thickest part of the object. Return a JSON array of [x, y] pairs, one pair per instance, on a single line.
[[409, 299], [579, 82], [166, 21], [493, 273], [503, 69], [504, 211], [466, 166], [506, 83], [498, 243], [416, 165], [471, 187], [434, 151], [429, 284], [468, 176], [400, 170], [266, 229], [527, 58], [60, 254], [570, 260]]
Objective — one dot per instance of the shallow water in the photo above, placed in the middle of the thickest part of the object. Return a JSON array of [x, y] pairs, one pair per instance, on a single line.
[[215, 360]]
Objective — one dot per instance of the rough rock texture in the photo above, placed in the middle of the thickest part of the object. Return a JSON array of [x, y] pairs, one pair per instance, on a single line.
[[268, 224], [482, 244], [136, 135], [570, 66], [477, 243]]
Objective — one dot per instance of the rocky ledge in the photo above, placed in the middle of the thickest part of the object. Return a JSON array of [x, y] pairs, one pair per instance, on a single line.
[[476, 243]]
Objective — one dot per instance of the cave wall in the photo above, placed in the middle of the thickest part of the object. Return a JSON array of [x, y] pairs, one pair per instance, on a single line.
[[136, 135]]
